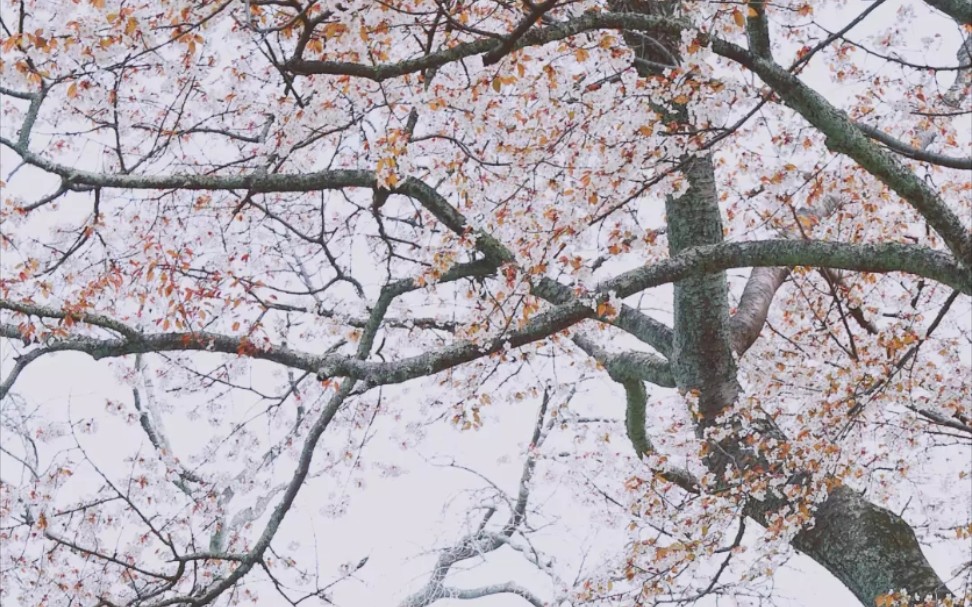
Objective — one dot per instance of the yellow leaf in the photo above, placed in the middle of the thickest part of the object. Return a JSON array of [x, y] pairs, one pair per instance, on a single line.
[[72, 91], [681, 99], [737, 16], [752, 12], [497, 84], [130, 26], [581, 54]]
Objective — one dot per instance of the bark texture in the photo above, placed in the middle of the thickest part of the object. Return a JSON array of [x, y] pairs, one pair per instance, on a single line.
[[869, 549]]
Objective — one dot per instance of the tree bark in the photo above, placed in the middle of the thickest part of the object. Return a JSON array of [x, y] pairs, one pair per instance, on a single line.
[[869, 549]]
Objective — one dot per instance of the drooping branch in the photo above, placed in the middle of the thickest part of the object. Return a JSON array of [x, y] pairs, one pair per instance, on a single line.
[[913, 152], [633, 365]]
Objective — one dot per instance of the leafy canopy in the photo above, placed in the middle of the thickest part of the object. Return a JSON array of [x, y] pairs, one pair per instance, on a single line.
[[650, 269]]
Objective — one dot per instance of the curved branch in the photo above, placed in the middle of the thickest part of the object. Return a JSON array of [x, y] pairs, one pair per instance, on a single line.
[[96, 320], [536, 12], [629, 365], [912, 152], [491, 590], [482, 542], [587, 22], [747, 323], [696, 261]]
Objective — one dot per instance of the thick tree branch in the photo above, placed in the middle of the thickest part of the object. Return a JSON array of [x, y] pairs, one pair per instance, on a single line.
[[874, 258], [913, 152], [703, 359], [747, 323], [633, 365], [757, 29], [870, 549], [688, 263]]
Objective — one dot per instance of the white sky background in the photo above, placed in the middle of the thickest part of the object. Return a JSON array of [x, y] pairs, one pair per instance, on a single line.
[[395, 522]]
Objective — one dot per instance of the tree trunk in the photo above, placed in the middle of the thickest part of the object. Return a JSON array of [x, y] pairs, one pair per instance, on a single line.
[[870, 550]]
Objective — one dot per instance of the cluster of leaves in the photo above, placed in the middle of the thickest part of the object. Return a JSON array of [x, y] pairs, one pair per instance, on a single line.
[[306, 236]]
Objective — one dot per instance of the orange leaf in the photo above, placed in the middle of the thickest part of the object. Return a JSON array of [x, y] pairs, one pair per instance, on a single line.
[[737, 16], [606, 309], [334, 30]]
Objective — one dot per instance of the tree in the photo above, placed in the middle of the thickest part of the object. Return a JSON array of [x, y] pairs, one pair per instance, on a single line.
[[312, 228]]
